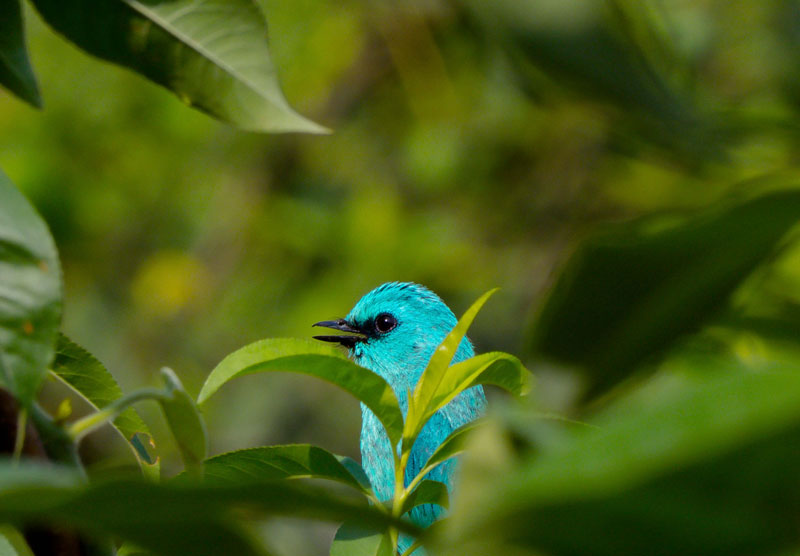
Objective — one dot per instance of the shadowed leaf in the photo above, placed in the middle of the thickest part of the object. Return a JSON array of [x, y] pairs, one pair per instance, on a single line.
[[16, 73]]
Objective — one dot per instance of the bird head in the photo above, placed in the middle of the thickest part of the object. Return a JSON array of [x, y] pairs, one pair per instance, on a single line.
[[394, 329]]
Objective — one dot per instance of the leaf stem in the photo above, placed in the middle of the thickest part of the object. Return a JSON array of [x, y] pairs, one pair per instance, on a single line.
[[19, 439], [84, 426]]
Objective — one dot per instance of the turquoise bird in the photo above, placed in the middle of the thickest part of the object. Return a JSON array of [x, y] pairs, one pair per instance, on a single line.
[[393, 331]]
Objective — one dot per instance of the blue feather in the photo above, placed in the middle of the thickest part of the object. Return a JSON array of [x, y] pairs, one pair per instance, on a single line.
[[400, 356]]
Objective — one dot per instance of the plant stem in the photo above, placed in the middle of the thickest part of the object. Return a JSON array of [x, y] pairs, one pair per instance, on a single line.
[[19, 439], [84, 426]]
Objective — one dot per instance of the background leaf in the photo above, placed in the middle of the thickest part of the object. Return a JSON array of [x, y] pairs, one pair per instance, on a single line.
[[628, 295], [90, 379], [16, 73], [681, 467], [212, 53], [315, 359], [30, 294]]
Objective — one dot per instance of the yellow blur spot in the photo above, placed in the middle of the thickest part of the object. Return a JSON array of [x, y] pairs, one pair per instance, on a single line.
[[170, 282]]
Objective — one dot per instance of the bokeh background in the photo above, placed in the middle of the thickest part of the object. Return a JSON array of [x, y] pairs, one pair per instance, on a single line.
[[461, 158]]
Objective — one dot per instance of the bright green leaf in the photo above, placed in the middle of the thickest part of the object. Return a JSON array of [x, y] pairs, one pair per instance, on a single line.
[[426, 492], [354, 541], [316, 359], [279, 462], [16, 73], [30, 295], [213, 54], [89, 378], [435, 373], [451, 446], [628, 295], [185, 422]]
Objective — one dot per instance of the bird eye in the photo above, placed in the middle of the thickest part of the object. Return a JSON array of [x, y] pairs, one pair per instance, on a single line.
[[385, 322]]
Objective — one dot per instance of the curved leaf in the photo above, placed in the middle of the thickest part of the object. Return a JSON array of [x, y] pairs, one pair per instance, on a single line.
[[16, 73], [354, 541], [497, 368], [427, 492], [212, 53], [30, 295], [87, 376], [185, 422], [435, 372], [292, 461], [450, 447], [294, 355]]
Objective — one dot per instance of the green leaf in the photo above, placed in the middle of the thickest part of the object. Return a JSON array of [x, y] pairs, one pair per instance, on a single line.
[[628, 295], [185, 422], [434, 374], [496, 368], [16, 73], [90, 379], [30, 295], [354, 541], [213, 54], [426, 492], [295, 355], [681, 467], [176, 518], [12, 543], [453, 445], [280, 462]]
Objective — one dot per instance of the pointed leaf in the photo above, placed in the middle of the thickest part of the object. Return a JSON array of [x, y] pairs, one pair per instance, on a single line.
[[30, 295], [451, 446], [354, 541], [185, 422], [435, 371], [87, 376], [16, 73], [212, 53], [496, 368], [311, 358], [427, 492], [626, 296], [293, 461]]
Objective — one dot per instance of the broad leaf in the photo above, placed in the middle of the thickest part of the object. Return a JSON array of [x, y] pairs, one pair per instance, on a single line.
[[279, 462], [16, 73], [627, 296], [311, 358], [30, 295], [496, 368], [185, 422], [354, 541], [181, 518], [426, 492], [213, 54], [681, 468], [89, 378], [434, 373]]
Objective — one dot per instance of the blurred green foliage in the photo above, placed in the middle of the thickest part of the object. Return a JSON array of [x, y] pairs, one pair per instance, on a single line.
[[476, 144]]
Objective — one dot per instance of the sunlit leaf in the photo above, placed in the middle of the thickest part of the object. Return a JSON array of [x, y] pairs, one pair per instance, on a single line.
[[90, 379], [16, 73], [311, 358], [30, 294], [628, 295], [451, 446], [435, 373], [185, 422], [427, 492], [213, 54]]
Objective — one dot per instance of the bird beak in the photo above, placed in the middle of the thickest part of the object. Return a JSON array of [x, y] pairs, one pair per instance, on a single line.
[[342, 325]]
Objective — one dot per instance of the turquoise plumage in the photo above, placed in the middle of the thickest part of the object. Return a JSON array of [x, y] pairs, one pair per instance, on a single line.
[[396, 328]]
